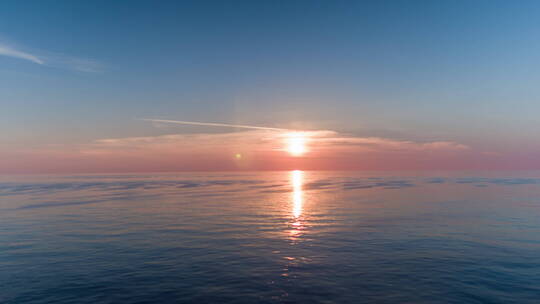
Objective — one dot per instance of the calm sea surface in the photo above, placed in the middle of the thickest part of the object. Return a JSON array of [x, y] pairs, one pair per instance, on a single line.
[[279, 237]]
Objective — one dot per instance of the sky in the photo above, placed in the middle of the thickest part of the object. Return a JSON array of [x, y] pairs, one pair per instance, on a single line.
[[369, 85]]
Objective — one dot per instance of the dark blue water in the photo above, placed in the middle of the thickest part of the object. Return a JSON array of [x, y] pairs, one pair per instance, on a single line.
[[284, 237]]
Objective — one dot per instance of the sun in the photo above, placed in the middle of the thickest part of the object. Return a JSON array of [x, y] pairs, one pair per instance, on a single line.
[[296, 143]]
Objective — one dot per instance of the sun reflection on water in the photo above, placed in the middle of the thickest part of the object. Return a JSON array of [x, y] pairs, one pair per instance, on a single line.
[[296, 223], [297, 181], [297, 177]]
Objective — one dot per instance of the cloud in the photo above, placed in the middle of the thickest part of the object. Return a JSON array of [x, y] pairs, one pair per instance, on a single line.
[[318, 139], [72, 63], [259, 149], [266, 141], [52, 60], [334, 139], [77, 64], [11, 52]]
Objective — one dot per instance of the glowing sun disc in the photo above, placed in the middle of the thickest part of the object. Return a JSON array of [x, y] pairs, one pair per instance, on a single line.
[[296, 144]]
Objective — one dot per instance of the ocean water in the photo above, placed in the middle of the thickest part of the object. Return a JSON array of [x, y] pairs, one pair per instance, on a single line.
[[272, 237]]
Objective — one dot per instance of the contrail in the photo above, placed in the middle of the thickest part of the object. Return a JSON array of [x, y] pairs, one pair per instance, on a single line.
[[213, 124]]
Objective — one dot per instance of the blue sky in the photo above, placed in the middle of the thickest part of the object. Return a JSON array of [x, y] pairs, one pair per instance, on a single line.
[[464, 71]]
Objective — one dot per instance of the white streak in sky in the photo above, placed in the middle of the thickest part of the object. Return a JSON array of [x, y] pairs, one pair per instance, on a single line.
[[54, 60], [212, 124], [11, 52]]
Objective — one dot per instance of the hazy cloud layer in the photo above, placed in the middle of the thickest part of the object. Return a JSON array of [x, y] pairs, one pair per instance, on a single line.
[[269, 141], [247, 150]]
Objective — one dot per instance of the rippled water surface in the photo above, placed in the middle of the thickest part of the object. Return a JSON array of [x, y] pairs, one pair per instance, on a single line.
[[280, 237]]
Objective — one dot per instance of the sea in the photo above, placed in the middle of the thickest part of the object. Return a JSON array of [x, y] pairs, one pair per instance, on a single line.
[[271, 237]]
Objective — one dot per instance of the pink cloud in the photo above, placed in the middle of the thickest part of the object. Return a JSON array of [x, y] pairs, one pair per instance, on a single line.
[[257, 150]]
